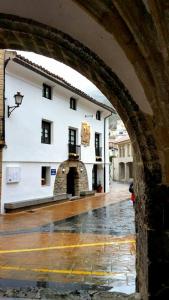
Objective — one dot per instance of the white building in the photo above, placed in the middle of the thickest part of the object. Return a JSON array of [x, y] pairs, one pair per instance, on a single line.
[[56, 140], [122, 159]]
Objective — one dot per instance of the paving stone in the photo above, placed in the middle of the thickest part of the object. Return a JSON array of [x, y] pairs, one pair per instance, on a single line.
[[45, 293]]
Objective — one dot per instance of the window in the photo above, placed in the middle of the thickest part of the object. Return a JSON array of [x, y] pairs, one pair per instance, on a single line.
[[123, 151], [73, 103], [45, 176], [97, 140], [47, 91], [120, 155], [72, 136], [98, 115], [46, 132], [128, 149], [98, 149]]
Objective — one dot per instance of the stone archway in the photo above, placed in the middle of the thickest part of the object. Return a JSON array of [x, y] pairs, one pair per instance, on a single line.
[[81, 179], [146, 130]]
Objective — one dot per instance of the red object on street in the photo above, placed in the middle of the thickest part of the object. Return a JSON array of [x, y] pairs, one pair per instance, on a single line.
[[133, 198], [99, 188]]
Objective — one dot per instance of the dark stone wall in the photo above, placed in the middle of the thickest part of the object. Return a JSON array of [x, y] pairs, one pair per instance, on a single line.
[[145, 45]]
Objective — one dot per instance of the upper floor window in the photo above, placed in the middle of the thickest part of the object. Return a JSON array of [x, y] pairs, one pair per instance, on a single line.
[[128, 149], [97, 140], [121, 151], [72, 136], [98, 149], [98, 115], [46, 132], [73, 103], [47, 91]]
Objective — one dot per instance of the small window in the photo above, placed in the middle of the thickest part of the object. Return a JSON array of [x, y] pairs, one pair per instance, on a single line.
[[73, 103], [98, 115], [45, 176], [47, 91], [46, 132]]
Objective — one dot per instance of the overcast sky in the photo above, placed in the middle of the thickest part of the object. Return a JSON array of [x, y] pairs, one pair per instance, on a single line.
[[67, 73]]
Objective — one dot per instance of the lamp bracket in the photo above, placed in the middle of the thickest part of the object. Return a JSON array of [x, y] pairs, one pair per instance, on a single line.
[[11, 109]]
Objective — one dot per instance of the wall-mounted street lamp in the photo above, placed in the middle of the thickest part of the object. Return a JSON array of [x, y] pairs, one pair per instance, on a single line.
[[18, 101], [63, 170]]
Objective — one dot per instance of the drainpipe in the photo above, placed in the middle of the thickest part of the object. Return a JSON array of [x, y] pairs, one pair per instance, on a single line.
[[3, 129], [105, 151]]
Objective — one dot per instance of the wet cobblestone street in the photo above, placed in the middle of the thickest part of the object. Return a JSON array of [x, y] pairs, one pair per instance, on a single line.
[[84, 244]]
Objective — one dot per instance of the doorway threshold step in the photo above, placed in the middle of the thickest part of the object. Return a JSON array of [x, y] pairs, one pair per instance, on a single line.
[[74, 198]]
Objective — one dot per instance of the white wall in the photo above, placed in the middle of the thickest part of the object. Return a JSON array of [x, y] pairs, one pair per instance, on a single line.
[[30, 114], [23, 132], [29, 184]]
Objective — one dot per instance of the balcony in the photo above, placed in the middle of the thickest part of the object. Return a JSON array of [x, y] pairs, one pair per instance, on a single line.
[[98, 153], [74, 152]]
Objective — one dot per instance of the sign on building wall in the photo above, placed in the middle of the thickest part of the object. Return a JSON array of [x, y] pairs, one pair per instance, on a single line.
[[53, 171], [85, 134], [13, 174]]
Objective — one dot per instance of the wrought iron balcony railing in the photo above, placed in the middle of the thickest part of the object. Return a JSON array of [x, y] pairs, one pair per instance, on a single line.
[[98, 152], [74, 152]]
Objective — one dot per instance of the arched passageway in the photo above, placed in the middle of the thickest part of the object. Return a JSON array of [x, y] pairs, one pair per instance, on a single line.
[[132, 43], [121, 171], [72, 181], [129, 171], [71, 178]]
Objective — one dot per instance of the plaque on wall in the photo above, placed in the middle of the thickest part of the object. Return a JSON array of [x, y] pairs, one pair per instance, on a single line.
[[13, 174], [85, 134], [53, 172]]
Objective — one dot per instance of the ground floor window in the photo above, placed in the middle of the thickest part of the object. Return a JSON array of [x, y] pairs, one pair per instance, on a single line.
[[45, 175]]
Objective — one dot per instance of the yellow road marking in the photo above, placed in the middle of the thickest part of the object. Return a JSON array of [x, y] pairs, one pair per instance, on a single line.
[[72, 272], [67, 246]]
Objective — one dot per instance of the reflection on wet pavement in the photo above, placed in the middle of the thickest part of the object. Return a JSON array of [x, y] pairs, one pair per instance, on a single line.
[[114, 219], [95, 248]]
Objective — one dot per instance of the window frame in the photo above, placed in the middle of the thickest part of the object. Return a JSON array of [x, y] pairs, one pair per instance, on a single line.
[[73, 103], [45, 94], [97, 140], [48, 127], [74, 135], [45, 181], [98, 115]]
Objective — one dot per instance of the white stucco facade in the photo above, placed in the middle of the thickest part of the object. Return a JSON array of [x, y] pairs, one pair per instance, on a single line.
[[24, 154]]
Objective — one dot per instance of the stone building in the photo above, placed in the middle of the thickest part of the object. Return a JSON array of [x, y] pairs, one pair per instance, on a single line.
[[122, 159], [56, 140], [123, 48]]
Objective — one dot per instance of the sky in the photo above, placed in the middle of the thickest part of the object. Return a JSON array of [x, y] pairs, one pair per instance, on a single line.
[[67, 73]]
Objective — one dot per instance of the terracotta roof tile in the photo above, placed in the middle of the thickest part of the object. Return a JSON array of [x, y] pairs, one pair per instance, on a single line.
[[44, 72]]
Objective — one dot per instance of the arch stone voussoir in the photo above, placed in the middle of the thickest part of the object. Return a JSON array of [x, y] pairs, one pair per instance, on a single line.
[[150, 176]]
